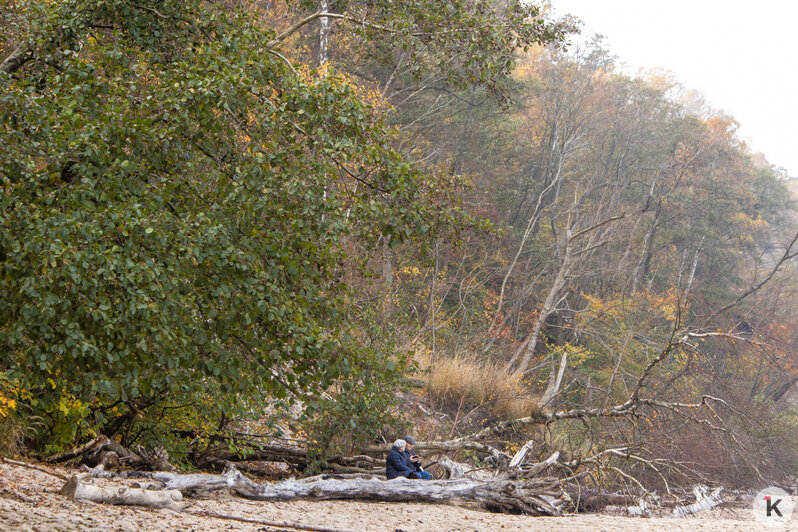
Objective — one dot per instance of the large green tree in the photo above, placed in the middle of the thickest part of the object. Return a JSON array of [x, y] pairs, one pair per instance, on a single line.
[[174, 199], [178, 198]]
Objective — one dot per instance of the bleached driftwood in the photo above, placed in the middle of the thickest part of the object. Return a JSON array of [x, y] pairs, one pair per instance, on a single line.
[[703, 501], [452, 470], [641, 510], [518, 458], [121, 495], [526, 496], [538, 468]]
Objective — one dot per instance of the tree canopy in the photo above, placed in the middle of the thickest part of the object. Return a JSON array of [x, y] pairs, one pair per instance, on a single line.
[[176, 200]]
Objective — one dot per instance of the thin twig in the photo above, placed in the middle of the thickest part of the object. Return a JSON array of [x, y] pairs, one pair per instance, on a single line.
[[36, 467], [277, 524]]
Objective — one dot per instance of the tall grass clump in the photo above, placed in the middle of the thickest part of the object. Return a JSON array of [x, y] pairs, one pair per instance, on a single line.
[[466, 383]]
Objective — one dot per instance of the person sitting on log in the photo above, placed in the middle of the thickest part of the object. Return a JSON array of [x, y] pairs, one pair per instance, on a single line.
[[415, 460], [397, 463]]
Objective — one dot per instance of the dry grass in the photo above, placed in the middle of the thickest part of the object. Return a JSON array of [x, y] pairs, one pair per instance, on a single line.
[[467, 382], [15, 428]]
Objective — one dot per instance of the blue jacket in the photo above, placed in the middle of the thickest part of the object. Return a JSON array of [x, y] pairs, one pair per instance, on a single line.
[[415, 465], [397, 464]]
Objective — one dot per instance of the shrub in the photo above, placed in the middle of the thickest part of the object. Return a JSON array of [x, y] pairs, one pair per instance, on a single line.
[[466, 382], [16, 422]]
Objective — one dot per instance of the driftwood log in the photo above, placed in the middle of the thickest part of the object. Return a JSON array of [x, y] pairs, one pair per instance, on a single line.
[[295, 456], [43, 469], [79, 491], [534, 497], [704, 500]]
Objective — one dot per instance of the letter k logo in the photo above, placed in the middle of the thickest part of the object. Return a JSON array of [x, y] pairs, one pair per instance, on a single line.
[[772, 506]]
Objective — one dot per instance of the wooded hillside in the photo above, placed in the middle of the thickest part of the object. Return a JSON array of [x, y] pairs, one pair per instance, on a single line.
[[224, 223]]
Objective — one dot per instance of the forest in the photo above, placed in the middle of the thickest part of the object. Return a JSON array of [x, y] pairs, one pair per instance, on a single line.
[[295, 230]]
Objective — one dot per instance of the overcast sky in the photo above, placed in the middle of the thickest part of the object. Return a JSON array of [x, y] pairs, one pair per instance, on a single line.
[[741, 56]]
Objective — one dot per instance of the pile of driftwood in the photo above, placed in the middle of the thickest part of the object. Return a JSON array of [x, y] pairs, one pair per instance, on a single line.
[[515, 483], [512, 483]]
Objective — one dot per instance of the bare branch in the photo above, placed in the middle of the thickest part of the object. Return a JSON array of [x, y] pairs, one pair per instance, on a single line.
[[324, 14], [788, 254], [594, 227], [591, 248]]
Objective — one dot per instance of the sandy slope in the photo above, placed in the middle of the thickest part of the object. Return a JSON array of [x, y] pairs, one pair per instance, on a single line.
[[29, 501]]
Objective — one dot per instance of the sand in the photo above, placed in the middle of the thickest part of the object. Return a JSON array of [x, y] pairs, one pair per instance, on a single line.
[[29, 500]]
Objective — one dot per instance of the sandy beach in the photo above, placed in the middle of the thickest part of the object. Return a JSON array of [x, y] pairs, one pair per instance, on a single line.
[[29, 500]]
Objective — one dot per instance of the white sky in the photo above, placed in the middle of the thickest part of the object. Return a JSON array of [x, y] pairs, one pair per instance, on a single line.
[[742, 57]]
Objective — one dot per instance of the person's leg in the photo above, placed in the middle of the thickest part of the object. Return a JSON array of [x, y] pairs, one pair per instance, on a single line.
[[424, 475]]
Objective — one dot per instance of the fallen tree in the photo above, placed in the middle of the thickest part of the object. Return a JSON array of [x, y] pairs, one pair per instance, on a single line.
[[263, 459], [531, 496]]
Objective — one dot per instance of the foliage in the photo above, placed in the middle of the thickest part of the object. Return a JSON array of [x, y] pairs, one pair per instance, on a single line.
[[634, 216], [359, 405], [174, 203], [462, 42], [8, 396]]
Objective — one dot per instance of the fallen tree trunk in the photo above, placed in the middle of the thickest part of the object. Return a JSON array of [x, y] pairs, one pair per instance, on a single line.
[[593, 501], [538, 468], [534, 497], [361, 461], [295, 458], [97, 443], [264, 453], [122, 495], [109, 452]]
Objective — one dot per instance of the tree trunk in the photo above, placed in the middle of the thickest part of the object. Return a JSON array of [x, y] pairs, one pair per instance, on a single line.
[[324, 33], [554, 383], [644, 264], [534, 497], [529, 345], [122, 495]]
